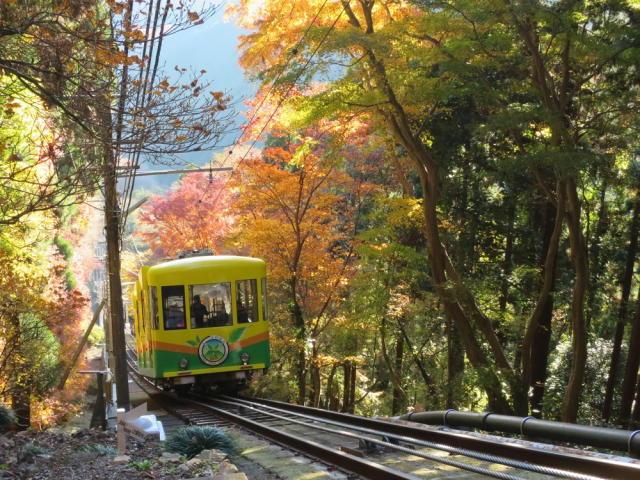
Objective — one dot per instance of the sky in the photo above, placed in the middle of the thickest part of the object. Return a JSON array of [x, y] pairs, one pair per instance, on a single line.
[[212, 47]]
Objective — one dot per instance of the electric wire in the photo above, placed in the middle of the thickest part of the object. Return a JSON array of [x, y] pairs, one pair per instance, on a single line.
[[266, 124], [264, 99]]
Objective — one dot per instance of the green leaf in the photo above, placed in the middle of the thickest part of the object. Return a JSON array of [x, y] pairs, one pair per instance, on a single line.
[[237, 334], [192, 343], [197, 338]]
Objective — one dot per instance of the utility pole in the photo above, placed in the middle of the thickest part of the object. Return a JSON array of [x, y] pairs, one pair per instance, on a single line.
[[116, 309]]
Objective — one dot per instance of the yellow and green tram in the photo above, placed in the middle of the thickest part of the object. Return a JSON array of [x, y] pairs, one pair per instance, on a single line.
[[202, 320]]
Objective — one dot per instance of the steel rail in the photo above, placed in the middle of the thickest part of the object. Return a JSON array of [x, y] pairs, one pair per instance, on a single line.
[[434, 458], [458, 451], [353, 464], [596, 467], [392, 429], [340, 459]]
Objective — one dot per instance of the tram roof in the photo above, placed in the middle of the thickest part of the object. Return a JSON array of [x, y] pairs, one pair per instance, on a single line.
[[207, 261]]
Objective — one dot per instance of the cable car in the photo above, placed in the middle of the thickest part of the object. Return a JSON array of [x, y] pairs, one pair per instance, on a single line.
[[201, 320]]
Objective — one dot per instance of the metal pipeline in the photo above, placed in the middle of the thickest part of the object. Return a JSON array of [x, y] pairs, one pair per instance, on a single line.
[[620, 440]]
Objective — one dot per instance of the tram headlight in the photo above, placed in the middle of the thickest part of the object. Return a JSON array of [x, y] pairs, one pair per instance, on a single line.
[[245, 357], [184, 363]]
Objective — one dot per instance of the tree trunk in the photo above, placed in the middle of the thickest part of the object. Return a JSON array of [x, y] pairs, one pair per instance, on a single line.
[[545, 294], [346, 391], [622, 313], [423, 371], [506, 264], [317, 382], [301, 337], [571, 400], [462, 308], [455, 362], [631, 372], [21, 406], [19, 376], [542, 336], [393, 374], [594, 253], [329, 391], [398, 399], [352, 388], [635, 419]]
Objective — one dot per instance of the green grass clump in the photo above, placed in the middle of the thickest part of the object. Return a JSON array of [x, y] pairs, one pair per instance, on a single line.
[[142, 466], [29, 451], [99, 448], [191, 441], [7, 419]]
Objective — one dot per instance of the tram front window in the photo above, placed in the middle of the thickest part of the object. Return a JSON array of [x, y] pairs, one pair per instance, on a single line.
[[173, 307], [210, 305]]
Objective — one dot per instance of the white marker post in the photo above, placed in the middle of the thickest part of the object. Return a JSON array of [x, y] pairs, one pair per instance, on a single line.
[[137, 425]]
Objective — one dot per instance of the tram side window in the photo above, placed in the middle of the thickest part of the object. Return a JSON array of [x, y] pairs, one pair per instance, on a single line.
[[143, 314], [210, 305], [247, 300], [173, 308], [153, 307], [264, 299]]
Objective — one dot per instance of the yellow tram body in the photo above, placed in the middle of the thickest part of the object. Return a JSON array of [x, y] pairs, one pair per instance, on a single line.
[[202, 320]]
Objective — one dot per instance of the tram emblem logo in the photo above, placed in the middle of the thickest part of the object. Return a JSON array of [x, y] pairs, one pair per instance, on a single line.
[[213, 350]]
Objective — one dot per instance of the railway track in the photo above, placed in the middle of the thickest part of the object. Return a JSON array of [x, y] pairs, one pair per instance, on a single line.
[[377, 449]]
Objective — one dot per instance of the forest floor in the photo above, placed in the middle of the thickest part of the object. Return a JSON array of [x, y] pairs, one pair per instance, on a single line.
[[89, 454]]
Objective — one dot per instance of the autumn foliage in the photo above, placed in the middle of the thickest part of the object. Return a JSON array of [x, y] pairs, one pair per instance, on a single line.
[[194, 215]]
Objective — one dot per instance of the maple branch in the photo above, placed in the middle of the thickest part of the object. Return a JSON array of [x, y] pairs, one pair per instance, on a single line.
[[352, 17]]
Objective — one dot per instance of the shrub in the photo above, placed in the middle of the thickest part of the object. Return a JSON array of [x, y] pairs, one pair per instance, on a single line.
[[191, 441], [96, 335], [7, 419], [69, 279], [65, 248]]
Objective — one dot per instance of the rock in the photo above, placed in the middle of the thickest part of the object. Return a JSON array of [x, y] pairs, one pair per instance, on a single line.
[[170, 457], [228, 476], [84, 456], [183, 468], [227, 468], [5, 442], [42, 458], [194, 462], [121, 459], [105, 434], [213, 454]]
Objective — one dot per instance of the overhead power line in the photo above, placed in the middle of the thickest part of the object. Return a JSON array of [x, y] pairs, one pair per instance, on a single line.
[[294, 51], [266, 124]]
